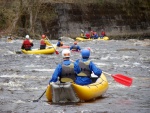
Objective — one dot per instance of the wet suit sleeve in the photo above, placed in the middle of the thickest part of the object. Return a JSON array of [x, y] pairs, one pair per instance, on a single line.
[[58, 44], [79, 48], [71, 47], [22, 47], [56, 74], [95, 69], [77, 69], [32, 44]]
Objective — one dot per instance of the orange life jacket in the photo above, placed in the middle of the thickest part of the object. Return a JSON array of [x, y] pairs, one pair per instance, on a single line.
[[42, 42]]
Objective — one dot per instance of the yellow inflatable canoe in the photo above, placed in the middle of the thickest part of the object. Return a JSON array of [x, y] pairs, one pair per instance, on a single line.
[[49, 50], [83, 39], [86, 92]]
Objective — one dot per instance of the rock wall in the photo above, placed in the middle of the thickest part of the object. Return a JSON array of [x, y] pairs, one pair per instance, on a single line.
[[113, 18]]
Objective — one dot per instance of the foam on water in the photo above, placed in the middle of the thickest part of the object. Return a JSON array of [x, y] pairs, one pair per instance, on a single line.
[[32, 65], [101, 64], [13, 84], [122, 65], [19, 101], [105, 57], [136, 64], [22, 76], [43, 69], [126, 57]]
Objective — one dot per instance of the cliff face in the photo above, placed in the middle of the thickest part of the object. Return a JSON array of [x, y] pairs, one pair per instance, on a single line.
[[117, 19], [55, 18]]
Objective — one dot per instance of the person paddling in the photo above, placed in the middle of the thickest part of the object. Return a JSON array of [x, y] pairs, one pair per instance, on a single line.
[[65, 70], [86, 68], [59, 43], [102, 33], [44, 42], [27, 44], [75, 47]]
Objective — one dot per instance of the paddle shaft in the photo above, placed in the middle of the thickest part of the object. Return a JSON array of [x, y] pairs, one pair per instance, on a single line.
[[53, 46], [107, 73], [122, 79], [40, 97]]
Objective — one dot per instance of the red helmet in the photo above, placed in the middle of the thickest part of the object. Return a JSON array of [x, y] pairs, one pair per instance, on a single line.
[[89, 48], [43, 36], [75, 43], [94, 33]]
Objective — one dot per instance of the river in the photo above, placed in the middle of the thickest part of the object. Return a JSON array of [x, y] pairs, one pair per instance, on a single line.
[[24, 78]]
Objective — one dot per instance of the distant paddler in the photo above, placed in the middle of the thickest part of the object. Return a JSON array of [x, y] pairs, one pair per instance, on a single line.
[[75, 47], [59, 43], [9, 38], [27, 43], [44, 42]]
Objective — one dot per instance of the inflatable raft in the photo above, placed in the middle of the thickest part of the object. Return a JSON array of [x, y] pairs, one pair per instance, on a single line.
[[84, 39], [78, 92], [49, 50]]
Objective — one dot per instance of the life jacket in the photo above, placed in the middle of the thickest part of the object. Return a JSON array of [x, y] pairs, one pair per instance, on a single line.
[[87, 35], [85, 70], [42, 42], [27, 44], [103, 33], [67, 74], [74, 48]]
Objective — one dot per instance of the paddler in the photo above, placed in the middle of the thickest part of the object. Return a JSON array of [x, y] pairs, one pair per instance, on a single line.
[[44, 42], [59, 43], [86, 68], [27, 43], [75, 47]]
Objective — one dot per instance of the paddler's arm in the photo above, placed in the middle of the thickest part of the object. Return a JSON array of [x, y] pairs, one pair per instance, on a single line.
[[56, 74], [95, 69]]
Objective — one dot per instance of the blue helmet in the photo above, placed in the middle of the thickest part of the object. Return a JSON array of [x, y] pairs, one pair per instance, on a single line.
[[85, 53]]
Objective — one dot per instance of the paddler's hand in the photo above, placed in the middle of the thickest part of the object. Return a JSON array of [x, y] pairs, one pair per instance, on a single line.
[[50, 83], [31, 41]]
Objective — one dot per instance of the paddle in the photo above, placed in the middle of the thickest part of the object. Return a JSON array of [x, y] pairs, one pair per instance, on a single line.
[[122, 79], [18, 52], [53, 46], [40, 97]]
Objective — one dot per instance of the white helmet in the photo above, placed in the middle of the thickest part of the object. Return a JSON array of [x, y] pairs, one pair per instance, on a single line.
[[27, 36], [66, 53]]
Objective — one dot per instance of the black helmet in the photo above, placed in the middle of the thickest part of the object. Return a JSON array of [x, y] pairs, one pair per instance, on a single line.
[[59, 39]]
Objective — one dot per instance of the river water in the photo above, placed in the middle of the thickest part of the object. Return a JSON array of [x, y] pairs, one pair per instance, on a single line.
[[24, 78]]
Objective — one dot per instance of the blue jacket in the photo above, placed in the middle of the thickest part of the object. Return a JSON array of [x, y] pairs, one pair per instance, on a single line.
[[58, 70], [77, 47], [59, 43], [95, 36], [86, 80]]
